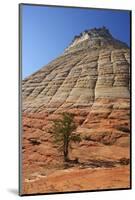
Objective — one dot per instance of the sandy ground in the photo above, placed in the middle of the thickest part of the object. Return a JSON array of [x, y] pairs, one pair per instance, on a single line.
[[75, 179]]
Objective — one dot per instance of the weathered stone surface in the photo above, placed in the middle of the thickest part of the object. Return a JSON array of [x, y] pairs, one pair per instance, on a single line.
[[92, 80], [79, 77]]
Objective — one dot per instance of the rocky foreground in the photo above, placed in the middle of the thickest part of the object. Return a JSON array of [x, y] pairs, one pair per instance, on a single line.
[[91, 79], [78, 180]]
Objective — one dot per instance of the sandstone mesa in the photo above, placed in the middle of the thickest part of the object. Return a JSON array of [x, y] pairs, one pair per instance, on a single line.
[[92, 80]]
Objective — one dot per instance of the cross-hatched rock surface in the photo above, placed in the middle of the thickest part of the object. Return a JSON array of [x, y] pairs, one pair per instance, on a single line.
[[90, 79], [80, 76]]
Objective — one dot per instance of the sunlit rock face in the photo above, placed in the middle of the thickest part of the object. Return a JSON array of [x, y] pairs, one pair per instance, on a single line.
[[90, 79], [95, 65], [95, 38]]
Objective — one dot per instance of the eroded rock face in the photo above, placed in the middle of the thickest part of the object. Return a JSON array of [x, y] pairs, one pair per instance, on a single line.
[[95, 38], [92, 80], [80, 76]]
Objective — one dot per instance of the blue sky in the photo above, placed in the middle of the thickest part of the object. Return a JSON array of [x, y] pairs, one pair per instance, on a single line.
[[47, 31]]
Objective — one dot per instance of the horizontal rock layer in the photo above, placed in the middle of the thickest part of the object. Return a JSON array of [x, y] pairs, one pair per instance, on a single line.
[[78, 79]]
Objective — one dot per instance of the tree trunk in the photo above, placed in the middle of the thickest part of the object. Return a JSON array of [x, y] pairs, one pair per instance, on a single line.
[[66, 159]]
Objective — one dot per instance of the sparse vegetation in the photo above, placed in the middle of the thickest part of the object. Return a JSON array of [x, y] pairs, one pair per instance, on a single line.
[[124, 161], [62, 132], [34, 141], [123, 129], [88, 138]]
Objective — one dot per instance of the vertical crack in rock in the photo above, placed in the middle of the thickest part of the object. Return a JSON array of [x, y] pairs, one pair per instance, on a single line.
[[65, 88], [127, 57], [112, 68]]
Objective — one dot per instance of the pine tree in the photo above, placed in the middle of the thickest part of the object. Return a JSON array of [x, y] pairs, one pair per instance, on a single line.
[[62, 132]]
